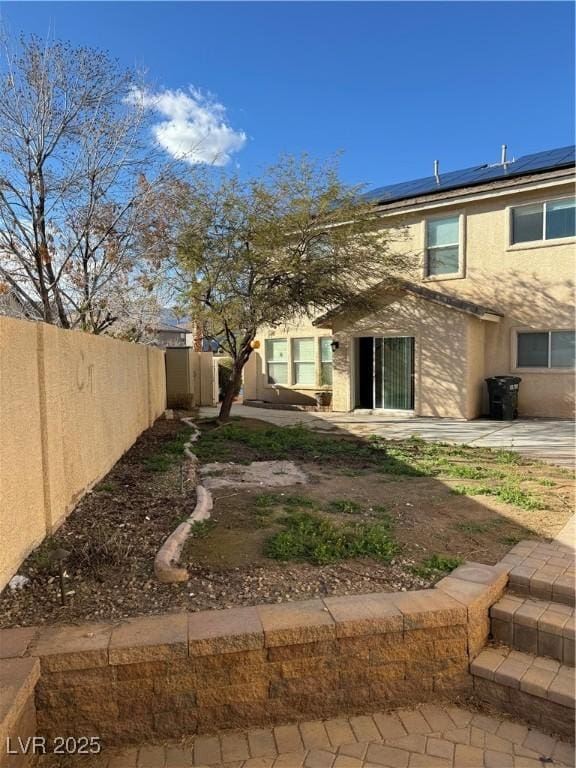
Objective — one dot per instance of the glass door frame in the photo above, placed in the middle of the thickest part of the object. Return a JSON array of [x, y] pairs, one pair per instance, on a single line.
[[411, 378]]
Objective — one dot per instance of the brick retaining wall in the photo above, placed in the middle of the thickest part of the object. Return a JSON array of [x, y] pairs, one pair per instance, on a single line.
[[179, 674]]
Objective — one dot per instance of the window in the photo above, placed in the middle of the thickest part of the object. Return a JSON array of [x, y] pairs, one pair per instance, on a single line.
[[443, 246], [277, 361], [546, 349], [304, 362], [544, 221], [326, 361]]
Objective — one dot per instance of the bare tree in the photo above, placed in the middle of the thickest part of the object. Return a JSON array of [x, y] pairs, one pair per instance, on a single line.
[[296, 241], [73, 152]]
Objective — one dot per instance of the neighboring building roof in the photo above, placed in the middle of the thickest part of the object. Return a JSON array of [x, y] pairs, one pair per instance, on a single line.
[[170, 323], [444, 299], [551, 159]]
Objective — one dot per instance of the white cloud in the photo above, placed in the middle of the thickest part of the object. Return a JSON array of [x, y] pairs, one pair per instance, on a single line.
[[194, 128]]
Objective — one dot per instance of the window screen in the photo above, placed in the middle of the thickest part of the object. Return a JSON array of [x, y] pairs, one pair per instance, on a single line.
[[304, 361], [443, 249], [326, 360], [560, 218], [277, 361]]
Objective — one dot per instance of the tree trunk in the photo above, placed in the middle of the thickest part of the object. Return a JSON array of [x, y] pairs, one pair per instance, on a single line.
[[236, 379]]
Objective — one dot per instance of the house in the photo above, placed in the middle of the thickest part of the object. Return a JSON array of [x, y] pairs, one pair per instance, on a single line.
[[171, 331], [493, 296]]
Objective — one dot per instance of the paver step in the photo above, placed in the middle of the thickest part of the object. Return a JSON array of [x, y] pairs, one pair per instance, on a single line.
[[540, 627], [546, 570], [544, 678]]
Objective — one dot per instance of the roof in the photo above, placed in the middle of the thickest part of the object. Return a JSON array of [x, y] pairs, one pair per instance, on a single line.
[[169, 322], [539, 162], [444, 299]]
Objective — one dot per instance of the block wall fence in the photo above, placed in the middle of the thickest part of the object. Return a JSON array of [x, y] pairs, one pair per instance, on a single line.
[[70, 405]]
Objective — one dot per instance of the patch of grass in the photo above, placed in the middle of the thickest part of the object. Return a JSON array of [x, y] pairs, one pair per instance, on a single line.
[[481, 527], [507, 493], [169, 452], [311, 538], [437, 565], [298, 442], [345, 507], [467, 472], [507, 457], [201, 528], [158, 462], [519, 498], [545, 481]]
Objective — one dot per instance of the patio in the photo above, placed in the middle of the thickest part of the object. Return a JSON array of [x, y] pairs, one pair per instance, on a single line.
[[551, 440]]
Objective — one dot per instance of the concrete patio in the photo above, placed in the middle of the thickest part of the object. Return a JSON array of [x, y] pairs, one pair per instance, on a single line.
[[551, 440]]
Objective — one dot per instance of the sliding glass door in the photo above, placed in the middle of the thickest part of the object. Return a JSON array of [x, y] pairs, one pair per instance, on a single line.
[[386, 372], [394, 373]]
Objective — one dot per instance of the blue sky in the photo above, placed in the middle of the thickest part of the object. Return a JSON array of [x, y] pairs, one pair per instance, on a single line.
[[392, 85]]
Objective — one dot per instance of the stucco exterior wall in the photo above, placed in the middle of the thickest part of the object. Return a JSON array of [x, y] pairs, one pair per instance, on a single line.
[[70, 405], [441, 363], [256, 385], [530, 284]]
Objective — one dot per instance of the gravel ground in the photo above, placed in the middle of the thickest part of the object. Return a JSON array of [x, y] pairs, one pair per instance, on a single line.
[[114, 533]]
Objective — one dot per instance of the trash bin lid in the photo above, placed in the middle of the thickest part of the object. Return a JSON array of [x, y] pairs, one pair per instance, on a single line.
[[504, 379]]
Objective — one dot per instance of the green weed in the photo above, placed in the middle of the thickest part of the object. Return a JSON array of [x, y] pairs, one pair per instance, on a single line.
[[507, 493], [314, 539], [507, 457], [345, 506], [467, 472], [437, 565], [158, 462], [201, 528], [168, 453]]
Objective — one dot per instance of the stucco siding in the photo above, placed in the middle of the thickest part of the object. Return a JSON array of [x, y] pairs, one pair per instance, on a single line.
[[441, 353], [256, 386], [70, 405]]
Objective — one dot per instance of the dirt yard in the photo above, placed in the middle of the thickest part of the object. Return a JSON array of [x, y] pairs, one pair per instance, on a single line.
[[374, 515]]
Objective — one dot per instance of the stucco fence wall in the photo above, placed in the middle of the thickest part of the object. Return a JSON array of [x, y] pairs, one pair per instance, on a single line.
[[70, 405]]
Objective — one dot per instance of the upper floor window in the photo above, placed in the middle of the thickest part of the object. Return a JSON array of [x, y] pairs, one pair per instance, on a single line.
[[544, 221], [277, 361], [443, 246], [546, 349]]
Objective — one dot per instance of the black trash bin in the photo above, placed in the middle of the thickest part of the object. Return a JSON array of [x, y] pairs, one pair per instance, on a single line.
[[503, 397]]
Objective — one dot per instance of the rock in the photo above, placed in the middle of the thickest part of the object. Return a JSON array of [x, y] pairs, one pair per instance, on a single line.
[[19, 581]]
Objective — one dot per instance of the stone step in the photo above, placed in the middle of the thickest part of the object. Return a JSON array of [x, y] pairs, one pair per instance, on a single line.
[[543, 569], [540, 690], [540, 627]]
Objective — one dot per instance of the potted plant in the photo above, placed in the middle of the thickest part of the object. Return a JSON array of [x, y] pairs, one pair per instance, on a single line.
[[323, 399]]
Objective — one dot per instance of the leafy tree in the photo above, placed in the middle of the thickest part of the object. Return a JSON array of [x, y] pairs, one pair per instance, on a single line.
[[73, 197], [261, 252]]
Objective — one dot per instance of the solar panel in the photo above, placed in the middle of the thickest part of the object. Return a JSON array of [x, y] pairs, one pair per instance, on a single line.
[[539, 161]]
